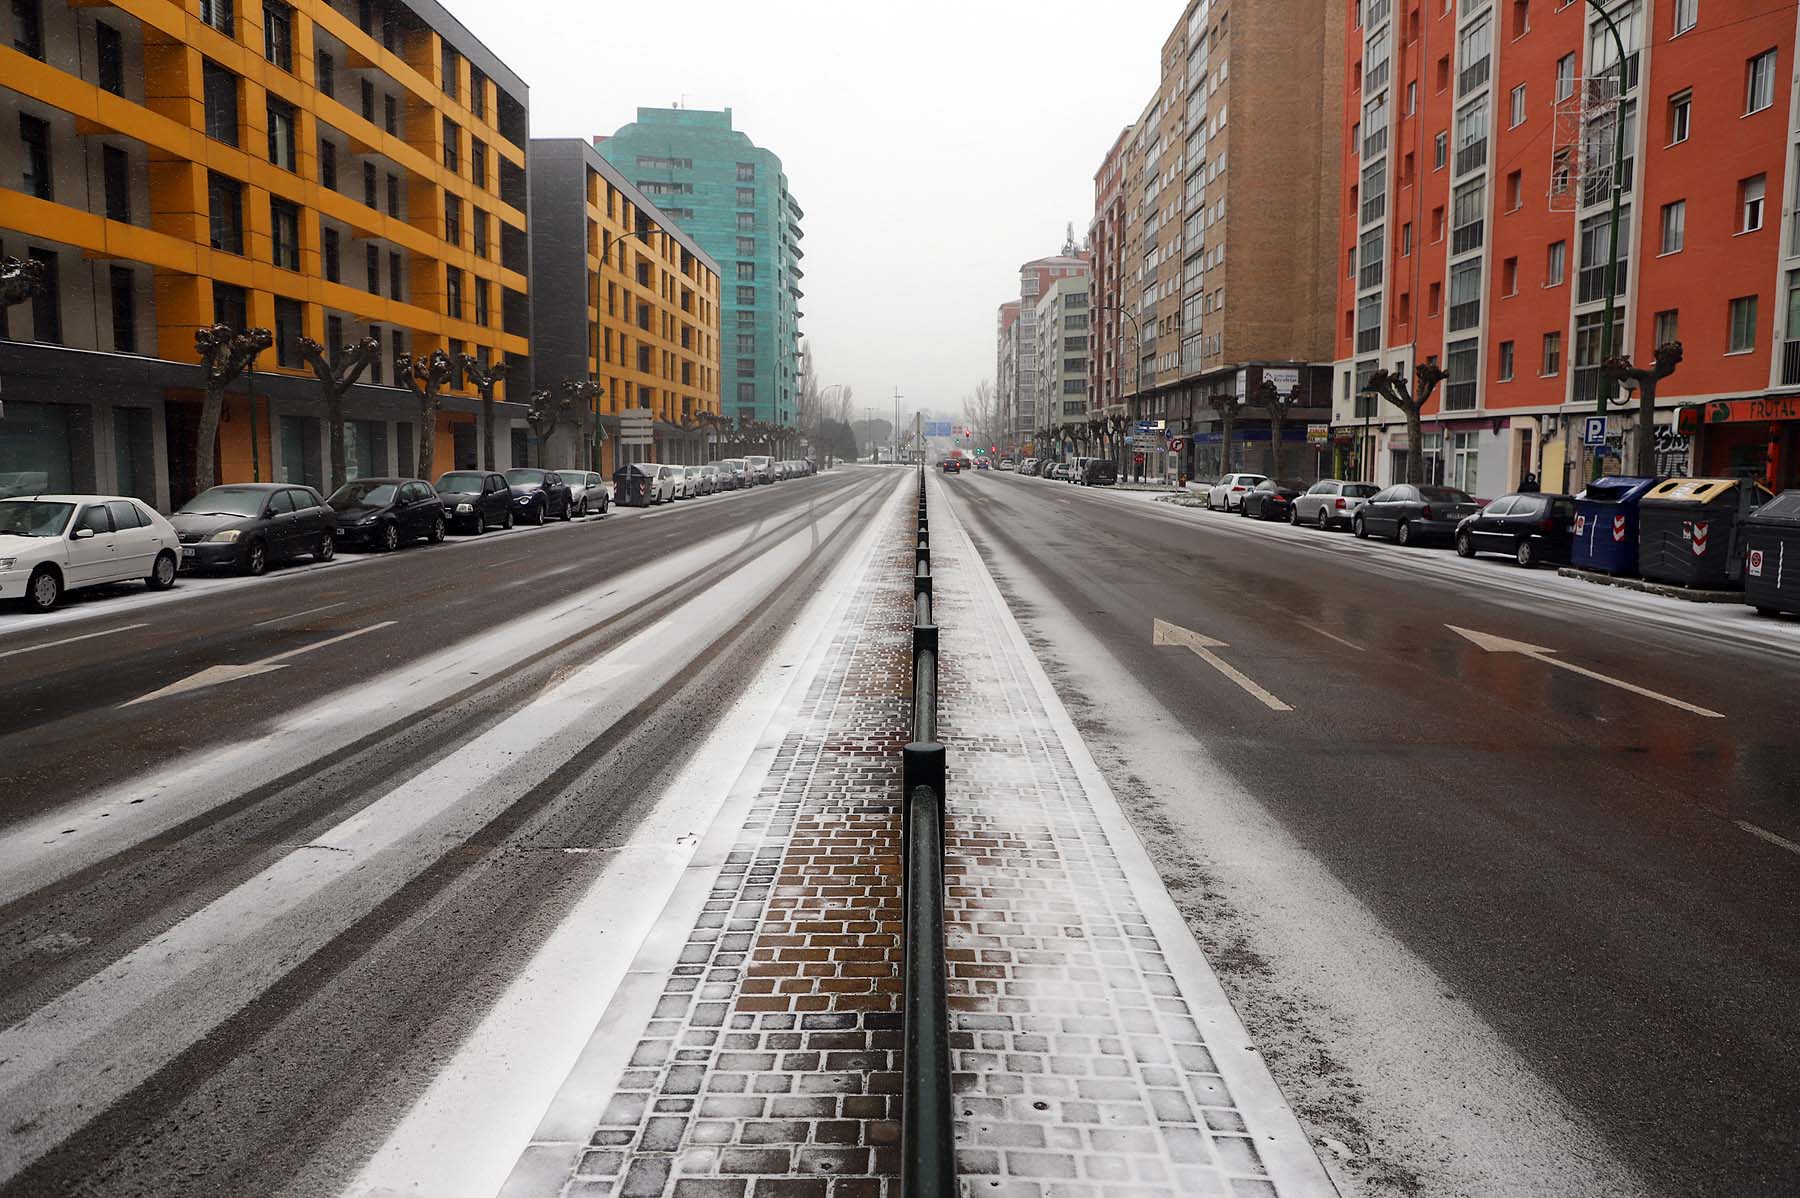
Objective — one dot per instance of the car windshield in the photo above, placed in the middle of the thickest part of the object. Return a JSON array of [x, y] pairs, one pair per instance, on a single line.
[[1359, 490], [460, 481], [224, 501], [525, 478], [1444, 495], [34, 517], [363, 494]]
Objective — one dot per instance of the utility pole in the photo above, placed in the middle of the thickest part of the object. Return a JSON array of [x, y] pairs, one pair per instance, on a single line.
[[1607, 348], [896, 424]]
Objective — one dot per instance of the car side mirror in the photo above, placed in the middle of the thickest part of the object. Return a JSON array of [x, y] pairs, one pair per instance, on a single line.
[[84, 534]]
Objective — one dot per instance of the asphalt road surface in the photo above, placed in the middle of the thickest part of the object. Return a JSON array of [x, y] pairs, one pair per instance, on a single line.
[[269, 850], [1478, 905]]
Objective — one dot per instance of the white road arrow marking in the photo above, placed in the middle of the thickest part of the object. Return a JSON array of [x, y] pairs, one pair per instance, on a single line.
[[1165, 633], [1500, 644], [214, 675]]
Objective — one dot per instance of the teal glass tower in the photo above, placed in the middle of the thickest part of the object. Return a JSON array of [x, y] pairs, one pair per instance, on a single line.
[[732, 197]]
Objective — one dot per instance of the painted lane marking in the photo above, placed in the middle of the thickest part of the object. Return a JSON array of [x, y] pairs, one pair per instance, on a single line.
[[311, 611], [1164, 633], [1765, 834], [70, 640], [1500, 644], [214, 675], [1329, 635]]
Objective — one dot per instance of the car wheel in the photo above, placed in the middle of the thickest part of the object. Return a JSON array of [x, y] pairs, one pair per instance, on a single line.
[[1527, 553], [390, 537], [436, 536], [162, 574], [1770, 612], [327, 547], [1465, 545], [1324, 520], [44, 591], [568, 512], [1403, 534], [507, 521], [256, 559], [1294, 516], [1360, 529]]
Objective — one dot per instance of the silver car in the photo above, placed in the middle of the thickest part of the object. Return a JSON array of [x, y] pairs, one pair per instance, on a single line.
[[1330, 503]]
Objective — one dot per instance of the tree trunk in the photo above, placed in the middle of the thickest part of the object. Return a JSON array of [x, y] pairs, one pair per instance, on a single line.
[[1276, 419], [428, 410], [1227, 422], [211, 407], [1646, 429], [487, 428], [1415, 441], [334, 429]]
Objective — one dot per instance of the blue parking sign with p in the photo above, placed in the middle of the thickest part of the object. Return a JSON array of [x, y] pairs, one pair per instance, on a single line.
[[1594, 431]]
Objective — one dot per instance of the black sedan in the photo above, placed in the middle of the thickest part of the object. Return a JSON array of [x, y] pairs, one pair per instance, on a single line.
[[1412, 514], [475, 500], [1273, 499], [1530, 526], [537, 495], [384, 513], [249, 526]]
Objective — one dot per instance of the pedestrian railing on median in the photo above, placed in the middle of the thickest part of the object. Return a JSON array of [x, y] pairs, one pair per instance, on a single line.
[[927, 1159]]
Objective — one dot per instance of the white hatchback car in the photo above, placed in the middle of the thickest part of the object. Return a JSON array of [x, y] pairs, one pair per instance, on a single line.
[[52, 544], [1228, 493]]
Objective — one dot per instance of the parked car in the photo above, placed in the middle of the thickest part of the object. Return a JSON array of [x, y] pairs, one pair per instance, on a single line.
[[950, 466], [693, 482], [1271, 499], [587, 491], [385, 513], [1229, 491], [762, 469], [538, 495], [1100, 472], [1331, 502], [1028, 466], [53, 544], [475, 500], [1412, 514], [715, 482], [1532, 526], [249, 526], [732, 472], [665, 485], [1007, 464]]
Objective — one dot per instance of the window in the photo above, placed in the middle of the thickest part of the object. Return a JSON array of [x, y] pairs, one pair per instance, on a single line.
[[368, 100], [372, 264], [124, 309], [1468, 209], [1412, 98], [452, 146], [1465, 295], [1595, 243], [331, 250], [1759, 82], [1515, 191], [1368, 323], [746, 343], [746, 365], [115, 170], [1406, 239], [453, 220], [284, 233], [109, 50], [217, 13], [746, 297], [225, 212], [453, 293], [478, 172], [1471, 135], [746, 246], [221, 92], [1462, 359], [481, 303], [1556, 263], [1686, 13], [1565, 76], [746, 272], [1552, 360], [1516, 116], [281, 133], [28, 28], [393, 195], [1750, 203], [1437, 224], [477, 92], [290, 326], [1681, 113], [1743, 325], [746, 221], [278, 34], [1589, 351], [478, 228], [396, 275], [1473, 55], [325, 71], [390, 114], [1509, 276], [746, 197], [1506, 361], [1374, 191], [1674, 227], [448, 60], [1369, 253], [746, 172], [46, 305], [369, 184], [1668, 326], [328, 162], [231, 307]]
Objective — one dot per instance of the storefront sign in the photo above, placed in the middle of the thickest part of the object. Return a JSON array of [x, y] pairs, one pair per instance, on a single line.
[[1726, 411], [1285, 378], [1318, 434]]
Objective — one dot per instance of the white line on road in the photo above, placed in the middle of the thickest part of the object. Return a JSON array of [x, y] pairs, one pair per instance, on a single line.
[[1500, 644], [1164, 633], [1329, 635], [231, 672], [295, 615], [1765, 834], [70, 640]]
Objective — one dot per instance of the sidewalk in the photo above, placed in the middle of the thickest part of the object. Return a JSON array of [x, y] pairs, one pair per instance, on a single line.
[[759, 1054]]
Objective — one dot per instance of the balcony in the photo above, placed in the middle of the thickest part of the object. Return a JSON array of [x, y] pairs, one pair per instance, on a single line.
[[1790, 363]]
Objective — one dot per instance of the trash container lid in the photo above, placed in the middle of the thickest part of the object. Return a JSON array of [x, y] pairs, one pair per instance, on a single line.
[[1617, 488], [1784, 509], [1693, 490]]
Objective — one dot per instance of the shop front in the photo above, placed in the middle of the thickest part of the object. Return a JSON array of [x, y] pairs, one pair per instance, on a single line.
[[1745, 438]]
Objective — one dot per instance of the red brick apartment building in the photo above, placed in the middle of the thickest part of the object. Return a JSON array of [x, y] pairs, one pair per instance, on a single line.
[[1477, 147]]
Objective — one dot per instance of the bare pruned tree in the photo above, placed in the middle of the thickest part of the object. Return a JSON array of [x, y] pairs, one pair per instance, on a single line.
[[485, 380], [1411, 401], [225, 353], [1277, 405], [1226, 406], [20, 279], [1668, 357], [425, 377], [335, 380]]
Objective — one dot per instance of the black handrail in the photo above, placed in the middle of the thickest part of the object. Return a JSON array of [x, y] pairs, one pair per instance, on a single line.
[[927, 1132]]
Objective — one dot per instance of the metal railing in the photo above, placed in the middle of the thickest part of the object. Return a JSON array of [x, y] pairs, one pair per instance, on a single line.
[[927, 1136]]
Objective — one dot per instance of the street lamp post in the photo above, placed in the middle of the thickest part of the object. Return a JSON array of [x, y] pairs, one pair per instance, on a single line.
[[1137, 356], [607, 242], [1607, 348]]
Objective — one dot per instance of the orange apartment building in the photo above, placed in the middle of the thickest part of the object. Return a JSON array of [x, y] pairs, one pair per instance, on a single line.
[[329, 170], [1477, 148]]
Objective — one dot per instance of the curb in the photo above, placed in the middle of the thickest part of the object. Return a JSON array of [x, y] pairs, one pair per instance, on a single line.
[[1666, 589]]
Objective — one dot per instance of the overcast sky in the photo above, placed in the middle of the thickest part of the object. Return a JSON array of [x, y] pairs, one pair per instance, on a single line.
[[934, 146]]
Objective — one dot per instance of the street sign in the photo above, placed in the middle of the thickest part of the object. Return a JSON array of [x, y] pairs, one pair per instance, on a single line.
[[635, 425], [1148, 426], [1176, 444], [1285, 378], [1318, 434], [1593, 431], [1148, 442], [938, 428]]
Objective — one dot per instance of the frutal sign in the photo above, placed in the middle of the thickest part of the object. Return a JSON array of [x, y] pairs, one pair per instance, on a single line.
[[1738, 411]]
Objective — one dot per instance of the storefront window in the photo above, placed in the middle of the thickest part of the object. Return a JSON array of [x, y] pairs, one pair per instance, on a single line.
[[134, 453], [365, 448], [46, 448], [1464, 458]]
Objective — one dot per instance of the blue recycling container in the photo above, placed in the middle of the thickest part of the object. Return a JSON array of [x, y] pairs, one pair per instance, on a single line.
[[1606, 524]]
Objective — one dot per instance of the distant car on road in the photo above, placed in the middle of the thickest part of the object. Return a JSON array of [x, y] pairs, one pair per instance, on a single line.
[[715, 481], [385, 513], [1331, 503], [983, 464], [1229, 491], [1272, 499], [733, 473], [693, 482], [475, 500], [1531, 526], [1007, 464], [950, 466], [762, 469], [587, 491], [53, 544], [1412, 515], [539, 495], [249, 526], [1100, 472]]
